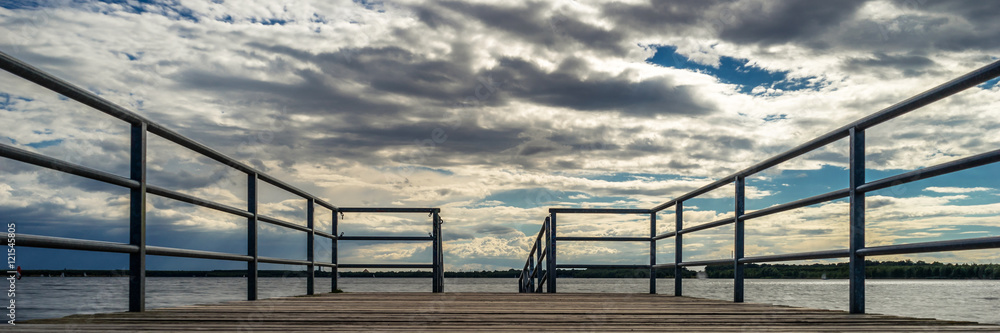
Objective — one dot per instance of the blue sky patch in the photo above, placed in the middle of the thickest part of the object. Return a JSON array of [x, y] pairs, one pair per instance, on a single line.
[[170, 8], [990, 84], [44, 144], [730, 70]]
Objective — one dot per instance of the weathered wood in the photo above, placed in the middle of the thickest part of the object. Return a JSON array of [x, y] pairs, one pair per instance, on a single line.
[[493, 311]]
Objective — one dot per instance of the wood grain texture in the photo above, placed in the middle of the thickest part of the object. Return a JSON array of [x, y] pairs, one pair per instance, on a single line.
[[492, 312]]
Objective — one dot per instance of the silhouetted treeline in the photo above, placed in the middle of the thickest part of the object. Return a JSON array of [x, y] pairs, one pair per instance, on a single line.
[[873, 269]]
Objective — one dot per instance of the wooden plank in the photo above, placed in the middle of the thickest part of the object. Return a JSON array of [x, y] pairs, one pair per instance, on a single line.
[[493, 311]]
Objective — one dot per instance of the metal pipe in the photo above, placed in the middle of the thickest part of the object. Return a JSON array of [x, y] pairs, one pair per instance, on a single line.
[[603, 239], [186, 253], [156, 190], [282, 223], [829, 196], [666, 235], [652, 253], [49, 242], [708, 225], [712, 262], [283, 261], [334, 248], [550, 252], [387, 210], [311, 247], [738, 207], [678, 247], [252, 266], [856, 239], [937, 246], [843, 253], [933, 171], [29, 157], [598, 211], [386, 265], [137, 220], [602, 266], [386, 238]]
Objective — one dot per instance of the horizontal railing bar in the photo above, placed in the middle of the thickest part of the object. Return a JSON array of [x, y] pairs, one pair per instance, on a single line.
[[385, 265], [946, 89], [186, 253], [324, 264], [667, 265], [39, 77], [282, 223], [29, 157], [666, 235], [152, 189], [51, 242], [385, 238], [707, 262], [92, 100], [936, 246], [709, 225], [829, 196], [294, 190], [598, 211], [324, 234], [387, 210], [933, 171], [282, 261], [843, 253], [702, 190], [603, 239], [602, 266]]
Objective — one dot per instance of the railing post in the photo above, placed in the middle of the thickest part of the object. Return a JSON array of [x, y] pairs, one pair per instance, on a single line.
[[550, 254], [652, 252], [857, 217], [738, 210], [531, 271], [252, 236], [310, 247], [137, 220], [336, 270], [538, 255], [678, 247], [438, 279]]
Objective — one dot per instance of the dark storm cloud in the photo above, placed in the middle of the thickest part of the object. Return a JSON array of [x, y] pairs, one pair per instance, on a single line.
[[535, 22], [562, 88], [908, 65], [493, 229], [741, 22], [779, 22]]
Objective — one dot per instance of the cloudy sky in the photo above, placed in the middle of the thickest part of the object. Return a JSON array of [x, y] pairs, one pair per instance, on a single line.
[[495, 112]]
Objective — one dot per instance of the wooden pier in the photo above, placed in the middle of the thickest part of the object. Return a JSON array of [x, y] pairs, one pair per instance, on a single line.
[[493, 312]]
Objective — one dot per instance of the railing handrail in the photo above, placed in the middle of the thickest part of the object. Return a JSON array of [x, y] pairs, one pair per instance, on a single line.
[[856, 191], [946, 89], [60, 86], [138, 249]]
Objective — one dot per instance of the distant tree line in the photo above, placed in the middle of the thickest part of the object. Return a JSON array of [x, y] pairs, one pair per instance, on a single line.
[[873, 269]]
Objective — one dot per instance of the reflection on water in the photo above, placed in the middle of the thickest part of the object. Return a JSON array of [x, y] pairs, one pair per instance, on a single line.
[[968, 300]]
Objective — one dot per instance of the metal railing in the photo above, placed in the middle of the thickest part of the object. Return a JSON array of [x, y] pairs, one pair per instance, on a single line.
[[856, 190], [533, 277], [136, 183], [437, 265]]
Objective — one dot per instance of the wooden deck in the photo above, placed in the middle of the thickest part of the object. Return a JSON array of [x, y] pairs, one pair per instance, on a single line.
[[492, 311]]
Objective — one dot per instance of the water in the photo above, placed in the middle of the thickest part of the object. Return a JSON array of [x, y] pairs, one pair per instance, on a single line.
[[966, 300]]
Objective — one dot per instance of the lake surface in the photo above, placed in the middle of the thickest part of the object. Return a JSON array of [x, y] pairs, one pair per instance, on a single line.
[[967, 300]]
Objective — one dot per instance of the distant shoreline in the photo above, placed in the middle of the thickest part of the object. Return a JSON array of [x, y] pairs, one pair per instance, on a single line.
[[874, 270]]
